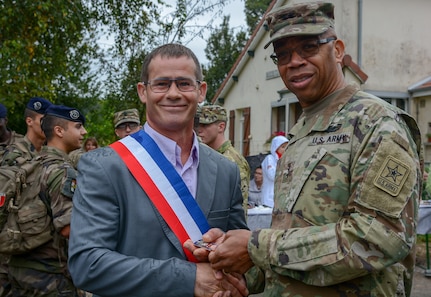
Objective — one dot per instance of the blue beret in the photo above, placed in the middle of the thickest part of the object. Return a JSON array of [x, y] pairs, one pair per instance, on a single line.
[[65, 112], [3, 111], [38, 104]]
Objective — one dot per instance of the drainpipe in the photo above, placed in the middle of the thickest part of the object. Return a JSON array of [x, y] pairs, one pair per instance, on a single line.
[[360, 4]]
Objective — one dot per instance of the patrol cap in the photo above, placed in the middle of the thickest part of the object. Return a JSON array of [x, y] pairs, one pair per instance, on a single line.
[[38, 104], [65, 112], [3, 111], [126, 116], [212, 113], [312, 18]]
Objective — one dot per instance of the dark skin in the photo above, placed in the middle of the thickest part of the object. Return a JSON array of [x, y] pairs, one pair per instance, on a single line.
[[4, 132], [311, 80]]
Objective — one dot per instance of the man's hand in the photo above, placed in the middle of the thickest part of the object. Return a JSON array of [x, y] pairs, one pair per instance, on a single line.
[[232, 254], [65, 231], [214, 236], [207, 285]]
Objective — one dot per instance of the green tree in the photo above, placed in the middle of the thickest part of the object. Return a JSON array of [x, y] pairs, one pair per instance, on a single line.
[[162, 22], [254, 11], [44, 51], [52, 49], [223, 48]]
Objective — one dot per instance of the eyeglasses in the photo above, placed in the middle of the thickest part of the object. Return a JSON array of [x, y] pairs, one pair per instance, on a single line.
[[305, 50], [123, 126], [162, 85]]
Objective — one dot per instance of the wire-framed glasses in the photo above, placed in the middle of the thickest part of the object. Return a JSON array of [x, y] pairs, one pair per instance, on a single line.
[[305, 50], [162, 85]]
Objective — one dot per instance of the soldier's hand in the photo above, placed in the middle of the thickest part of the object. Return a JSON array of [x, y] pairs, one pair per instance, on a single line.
[[232, 254], [214, 236]]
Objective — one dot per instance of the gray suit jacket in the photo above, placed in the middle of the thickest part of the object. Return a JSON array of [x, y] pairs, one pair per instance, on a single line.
[[119, 243]]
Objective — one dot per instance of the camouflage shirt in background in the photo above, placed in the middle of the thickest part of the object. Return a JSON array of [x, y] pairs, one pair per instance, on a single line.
[[346, 203], [227, 150], [15, 137], [22, 148], [74, 157], [59, 180]]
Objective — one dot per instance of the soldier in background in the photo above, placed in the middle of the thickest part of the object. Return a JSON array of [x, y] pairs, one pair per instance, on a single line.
[[212, 124], [26, 147], [126, 122], [43, 271], [347, 187], [7, 136], [34, 139]]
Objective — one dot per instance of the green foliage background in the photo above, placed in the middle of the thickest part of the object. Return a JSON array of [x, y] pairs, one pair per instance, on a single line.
[[52, 49]]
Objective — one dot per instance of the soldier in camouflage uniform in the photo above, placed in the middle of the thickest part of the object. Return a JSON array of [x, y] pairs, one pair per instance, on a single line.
[[212, 124], [31, 144], [7, 136], [126, 122], [43, 271], [25, 147], [347, 187]]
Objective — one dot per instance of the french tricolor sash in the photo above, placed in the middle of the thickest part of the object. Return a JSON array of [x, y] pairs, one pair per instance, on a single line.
[[164, 186]]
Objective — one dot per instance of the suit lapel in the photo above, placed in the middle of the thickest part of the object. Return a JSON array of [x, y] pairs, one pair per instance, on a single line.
[[207, 177]]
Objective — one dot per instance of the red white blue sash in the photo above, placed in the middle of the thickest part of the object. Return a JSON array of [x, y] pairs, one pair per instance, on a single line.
[[164, 186]]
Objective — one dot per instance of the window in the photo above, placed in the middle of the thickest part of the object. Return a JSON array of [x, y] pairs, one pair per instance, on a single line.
[[398, 102]]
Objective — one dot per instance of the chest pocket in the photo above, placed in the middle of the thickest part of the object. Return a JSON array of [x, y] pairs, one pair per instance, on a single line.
[[313, 183]]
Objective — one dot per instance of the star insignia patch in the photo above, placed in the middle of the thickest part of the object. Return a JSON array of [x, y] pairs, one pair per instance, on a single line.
[[392, 175]]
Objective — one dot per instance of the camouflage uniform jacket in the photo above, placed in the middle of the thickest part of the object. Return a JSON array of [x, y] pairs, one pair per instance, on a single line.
[[15, 137], [21, 148], [59, 182], [227, 150], [346, 203], [74, 157]]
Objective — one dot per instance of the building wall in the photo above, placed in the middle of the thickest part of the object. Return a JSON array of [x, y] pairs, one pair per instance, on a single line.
[[396, 43], [394, 54]]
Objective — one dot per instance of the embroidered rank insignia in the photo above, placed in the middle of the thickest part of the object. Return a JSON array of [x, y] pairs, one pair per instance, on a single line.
[[392, 176]]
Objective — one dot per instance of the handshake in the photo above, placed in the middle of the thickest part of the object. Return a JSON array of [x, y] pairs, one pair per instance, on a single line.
[[223, 256]]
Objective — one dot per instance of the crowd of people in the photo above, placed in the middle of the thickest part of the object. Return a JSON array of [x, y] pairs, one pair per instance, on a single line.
[[162, 211]]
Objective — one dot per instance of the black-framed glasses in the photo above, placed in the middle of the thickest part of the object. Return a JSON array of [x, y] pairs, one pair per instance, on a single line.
[[131, 126], [305, 50], [162, 85]]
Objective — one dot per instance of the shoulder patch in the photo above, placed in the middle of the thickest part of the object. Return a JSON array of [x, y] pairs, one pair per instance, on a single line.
[[69, 185], [392, 175], [390, 180]]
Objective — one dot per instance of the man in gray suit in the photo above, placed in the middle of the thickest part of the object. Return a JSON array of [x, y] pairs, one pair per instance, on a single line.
[[122, 241]]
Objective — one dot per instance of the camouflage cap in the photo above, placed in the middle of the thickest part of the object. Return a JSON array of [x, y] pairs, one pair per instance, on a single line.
[[311, 18], [126, 116], [212, 113], [3, 111], [65, 112], [38, 104]]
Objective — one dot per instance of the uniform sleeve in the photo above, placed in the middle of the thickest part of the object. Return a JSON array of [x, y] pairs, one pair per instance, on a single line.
[[61, 186], [378, 226]]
